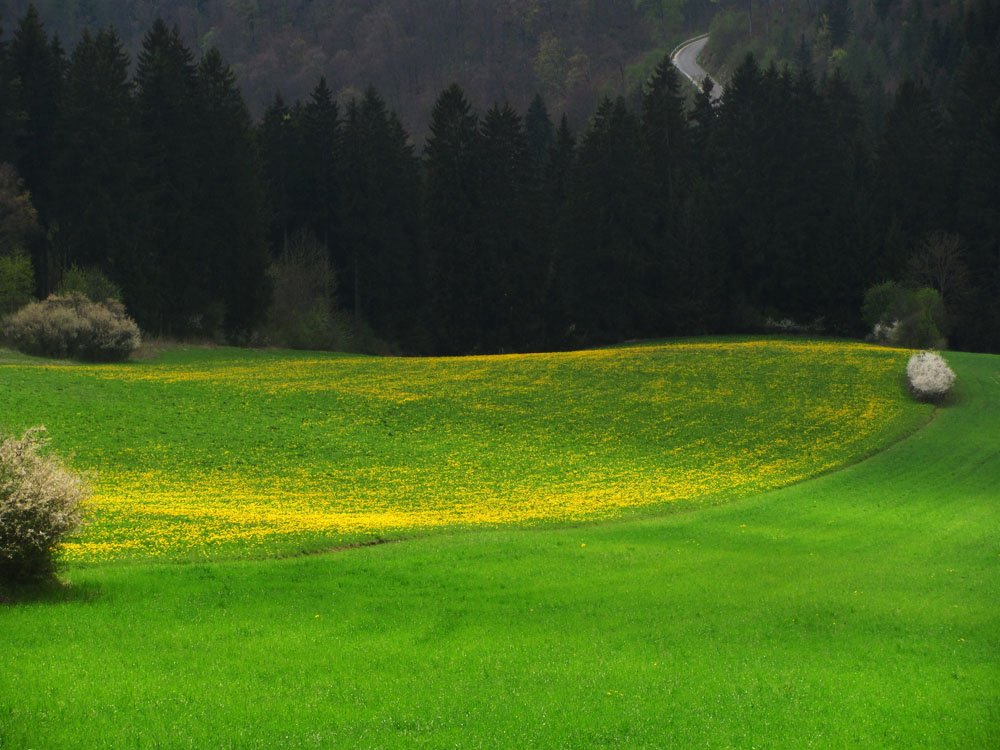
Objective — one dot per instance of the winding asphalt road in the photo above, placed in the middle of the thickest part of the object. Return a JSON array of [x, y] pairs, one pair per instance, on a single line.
[[685, 59]]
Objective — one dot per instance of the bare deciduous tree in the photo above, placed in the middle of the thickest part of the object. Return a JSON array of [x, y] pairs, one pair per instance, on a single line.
[[939, 263]]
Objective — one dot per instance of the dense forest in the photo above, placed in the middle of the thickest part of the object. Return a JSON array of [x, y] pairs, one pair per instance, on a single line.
[[571, 51], [781, 205], [869, 41]]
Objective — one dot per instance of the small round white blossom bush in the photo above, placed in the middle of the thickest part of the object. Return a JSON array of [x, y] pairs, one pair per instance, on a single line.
[[929, 376], [39, 506]]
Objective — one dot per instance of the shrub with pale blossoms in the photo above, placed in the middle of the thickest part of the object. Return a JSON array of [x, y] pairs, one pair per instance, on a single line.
[[73, 326], [899, 316], [39, 506], [929, 376]]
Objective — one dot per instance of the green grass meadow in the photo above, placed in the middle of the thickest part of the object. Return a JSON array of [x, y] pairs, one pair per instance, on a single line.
[[226, 453], [857, 608]]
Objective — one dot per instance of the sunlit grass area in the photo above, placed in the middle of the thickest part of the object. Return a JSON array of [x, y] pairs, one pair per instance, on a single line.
[[228, 452], [856, 609]]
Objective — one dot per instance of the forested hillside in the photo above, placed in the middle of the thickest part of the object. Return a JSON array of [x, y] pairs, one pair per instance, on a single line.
[[570, 51], [872, 42], [785, 202]]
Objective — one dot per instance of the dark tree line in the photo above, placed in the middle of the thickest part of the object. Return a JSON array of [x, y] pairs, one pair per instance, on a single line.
[[154, 179], [786, 201]]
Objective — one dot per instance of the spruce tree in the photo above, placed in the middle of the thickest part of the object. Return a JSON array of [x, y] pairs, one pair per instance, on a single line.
[[979, 214], [852, 218], [380, 177], [665, 127], [804, 266], [839, 18], [686, 271], [976, 87], [11, 115], [95, 178], [277, 142], [37, 63], [167, 280], [703, 117], [452, 203], [552, 238], [540, 132], [611, 226], [233, 224], [319, 131], [510, 264], [911, 172], [740, 183]]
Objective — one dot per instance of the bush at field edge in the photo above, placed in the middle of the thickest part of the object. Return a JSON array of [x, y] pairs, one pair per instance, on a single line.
[[39, 506], [73, 326], [929, 376]]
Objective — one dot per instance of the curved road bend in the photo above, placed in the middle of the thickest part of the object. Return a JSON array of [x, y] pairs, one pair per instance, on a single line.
[[685, 59]]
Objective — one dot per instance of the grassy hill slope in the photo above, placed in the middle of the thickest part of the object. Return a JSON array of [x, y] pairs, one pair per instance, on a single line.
[[856, 609], [234, 453]]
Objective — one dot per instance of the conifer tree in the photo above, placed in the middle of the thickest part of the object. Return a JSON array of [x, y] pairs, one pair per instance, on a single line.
[[852, 216], [838, 18], [380, 178], [318, 196], [452, 202], [37, 64], [911, 170], [552, 237], [610, 251], [686, 272], [665, 127], [277, 142], [805, 245], [233, 226], [540, 132], [11, 115], [979, 214], [96, 157], [557, 170], [739, 181], [703, 117], [665, 130], [976, 87], [167, 280], [510, 264]]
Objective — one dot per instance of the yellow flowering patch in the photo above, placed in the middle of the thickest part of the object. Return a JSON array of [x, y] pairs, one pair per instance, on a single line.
[[229, 452]]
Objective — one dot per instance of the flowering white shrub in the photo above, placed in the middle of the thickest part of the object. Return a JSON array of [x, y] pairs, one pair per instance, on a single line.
[[929, 375], [884, 333], [787, 325], [39, 505], [911, 318], [73, 326]]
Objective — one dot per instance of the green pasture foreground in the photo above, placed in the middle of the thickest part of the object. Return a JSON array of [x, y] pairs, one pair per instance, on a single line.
[[859, 609]]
